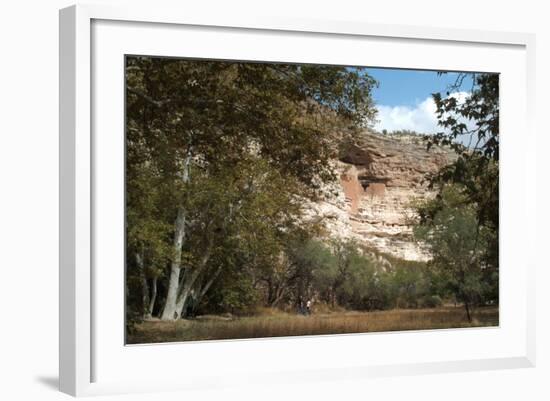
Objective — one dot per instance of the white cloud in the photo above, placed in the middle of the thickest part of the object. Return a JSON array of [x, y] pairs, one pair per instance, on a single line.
[[420, 118]]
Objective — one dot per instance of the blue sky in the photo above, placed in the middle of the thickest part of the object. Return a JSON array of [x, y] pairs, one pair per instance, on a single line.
[[410, 87], [404, 100]]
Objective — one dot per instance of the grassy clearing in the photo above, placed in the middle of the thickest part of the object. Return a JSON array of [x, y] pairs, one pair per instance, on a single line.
[[282, 324]]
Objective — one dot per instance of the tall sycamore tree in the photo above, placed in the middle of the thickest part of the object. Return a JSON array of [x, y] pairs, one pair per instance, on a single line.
[[189, 121]]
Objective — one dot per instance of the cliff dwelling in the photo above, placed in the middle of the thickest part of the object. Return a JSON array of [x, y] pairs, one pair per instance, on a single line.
[[377, 182], [376, 189], [353, 190]]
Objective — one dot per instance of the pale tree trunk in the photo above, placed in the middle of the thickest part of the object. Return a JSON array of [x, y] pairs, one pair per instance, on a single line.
[[197, 294], [187, 286], [186, 290], [208, 284], [171, 311], [153, 296], [180, 288], [170, 308], [144, 287]]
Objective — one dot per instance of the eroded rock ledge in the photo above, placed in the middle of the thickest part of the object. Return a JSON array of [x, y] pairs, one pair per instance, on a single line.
[[380, 176]]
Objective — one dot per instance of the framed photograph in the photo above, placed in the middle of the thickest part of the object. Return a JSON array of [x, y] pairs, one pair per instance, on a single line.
[[272, 200]]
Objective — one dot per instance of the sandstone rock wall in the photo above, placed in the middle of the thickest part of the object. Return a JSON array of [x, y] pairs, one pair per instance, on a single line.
[[379, 178]]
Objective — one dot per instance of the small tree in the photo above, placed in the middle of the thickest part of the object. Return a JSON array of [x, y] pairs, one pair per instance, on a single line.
[[458, 244], [471, 129]]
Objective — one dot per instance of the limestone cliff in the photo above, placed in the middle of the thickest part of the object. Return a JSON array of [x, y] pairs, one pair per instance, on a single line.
[[379, 177]]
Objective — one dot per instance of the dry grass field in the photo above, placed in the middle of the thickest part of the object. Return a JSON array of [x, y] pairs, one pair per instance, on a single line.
[[279, 324]]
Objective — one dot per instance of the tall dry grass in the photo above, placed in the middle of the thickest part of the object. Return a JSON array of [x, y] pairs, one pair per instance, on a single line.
[[278, 324]]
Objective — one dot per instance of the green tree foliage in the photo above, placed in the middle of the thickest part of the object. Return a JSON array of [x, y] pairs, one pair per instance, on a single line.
[[468, 199], [219, 155], [459, 246], [481, 107], [219, 110], [344, 274], [476, 143]]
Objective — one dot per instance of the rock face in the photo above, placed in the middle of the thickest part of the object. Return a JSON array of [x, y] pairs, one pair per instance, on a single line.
[[379, 178]]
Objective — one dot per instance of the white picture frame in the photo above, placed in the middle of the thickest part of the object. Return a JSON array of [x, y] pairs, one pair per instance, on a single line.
[[83, 338]]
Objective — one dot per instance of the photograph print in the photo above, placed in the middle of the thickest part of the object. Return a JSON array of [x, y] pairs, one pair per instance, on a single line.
[[269, 199]]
